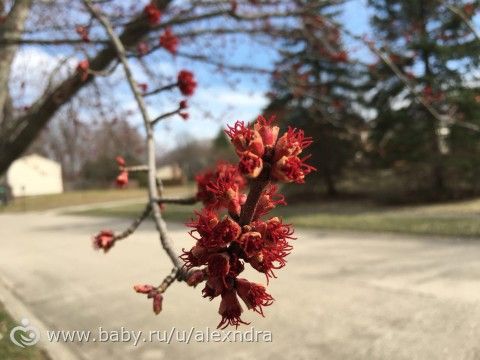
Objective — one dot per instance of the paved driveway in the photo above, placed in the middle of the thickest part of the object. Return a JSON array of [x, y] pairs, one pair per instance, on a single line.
[[342, 295]]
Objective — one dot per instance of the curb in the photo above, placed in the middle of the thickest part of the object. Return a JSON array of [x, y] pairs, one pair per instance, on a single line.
[[18, 310]]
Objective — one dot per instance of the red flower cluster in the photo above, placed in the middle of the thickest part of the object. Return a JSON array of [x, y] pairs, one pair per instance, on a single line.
[[225, 243], [152, 13], [104, 240], [152, 293], [122, 178], [169, 41], [186, 82], [259, 144], [82, 69]]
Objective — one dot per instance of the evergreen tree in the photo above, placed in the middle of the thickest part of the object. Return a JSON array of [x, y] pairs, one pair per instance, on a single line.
[[313, 89], [437, 51]]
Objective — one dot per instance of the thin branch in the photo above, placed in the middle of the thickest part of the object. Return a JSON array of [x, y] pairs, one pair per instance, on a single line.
[[169, 280], [159, 90], [53, 42], [152, 185], [164, 116], [135, 224]]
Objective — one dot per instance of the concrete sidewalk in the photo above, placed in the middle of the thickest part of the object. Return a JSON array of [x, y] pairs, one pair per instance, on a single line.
[[342, 295]]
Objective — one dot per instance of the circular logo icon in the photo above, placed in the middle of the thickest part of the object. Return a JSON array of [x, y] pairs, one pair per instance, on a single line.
[[25, 334]]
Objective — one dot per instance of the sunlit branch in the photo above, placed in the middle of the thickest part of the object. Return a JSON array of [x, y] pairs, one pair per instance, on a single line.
[[151, 153]]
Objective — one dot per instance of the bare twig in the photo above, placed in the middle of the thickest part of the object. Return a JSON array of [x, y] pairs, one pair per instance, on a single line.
[[169, 279], [135, 224], [166, 115], [159, 90], [152, 180]]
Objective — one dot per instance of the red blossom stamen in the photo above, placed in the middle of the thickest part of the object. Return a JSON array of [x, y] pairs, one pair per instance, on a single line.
[[253, 295], [250, 164], [230, 310]]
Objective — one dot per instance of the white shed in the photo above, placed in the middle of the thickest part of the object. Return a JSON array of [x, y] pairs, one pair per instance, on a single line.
[[34, 175]]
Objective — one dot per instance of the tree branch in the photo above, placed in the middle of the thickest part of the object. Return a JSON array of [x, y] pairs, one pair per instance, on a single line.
[[152, 185]]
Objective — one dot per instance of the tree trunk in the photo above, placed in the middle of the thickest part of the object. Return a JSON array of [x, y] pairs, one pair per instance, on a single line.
[[329, 183], [438, 179], [13, 25]]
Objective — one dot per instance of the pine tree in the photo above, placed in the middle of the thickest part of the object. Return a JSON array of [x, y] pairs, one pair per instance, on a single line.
[[313, 89], [437, 51]]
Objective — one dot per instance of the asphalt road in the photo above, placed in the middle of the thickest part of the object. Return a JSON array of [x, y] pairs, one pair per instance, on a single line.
[[341, 296]]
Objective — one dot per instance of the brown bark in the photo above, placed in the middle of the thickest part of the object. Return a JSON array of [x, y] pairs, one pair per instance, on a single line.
[[13, 25]]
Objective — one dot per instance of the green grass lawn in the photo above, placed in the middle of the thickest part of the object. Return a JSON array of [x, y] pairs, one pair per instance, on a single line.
[[9, 351], [84, 197], [453, 219]]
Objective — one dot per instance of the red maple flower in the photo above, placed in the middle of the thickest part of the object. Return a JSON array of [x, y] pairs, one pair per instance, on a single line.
[[186, 82], [269, 200], [253, 295], [251, 243], [169, 41], [196, 256], [217, 187], [291, 169], [184, 115], [221, 188], [268, 133], [196, 277], [218, 265], [143, 87], [250, 164], [122, 179], [204, 224], [183, 104], [230, 310], [104, 240], [82, 31], [293, 142], [245, 139], [82, 69], [226, 231], [152, 13]]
